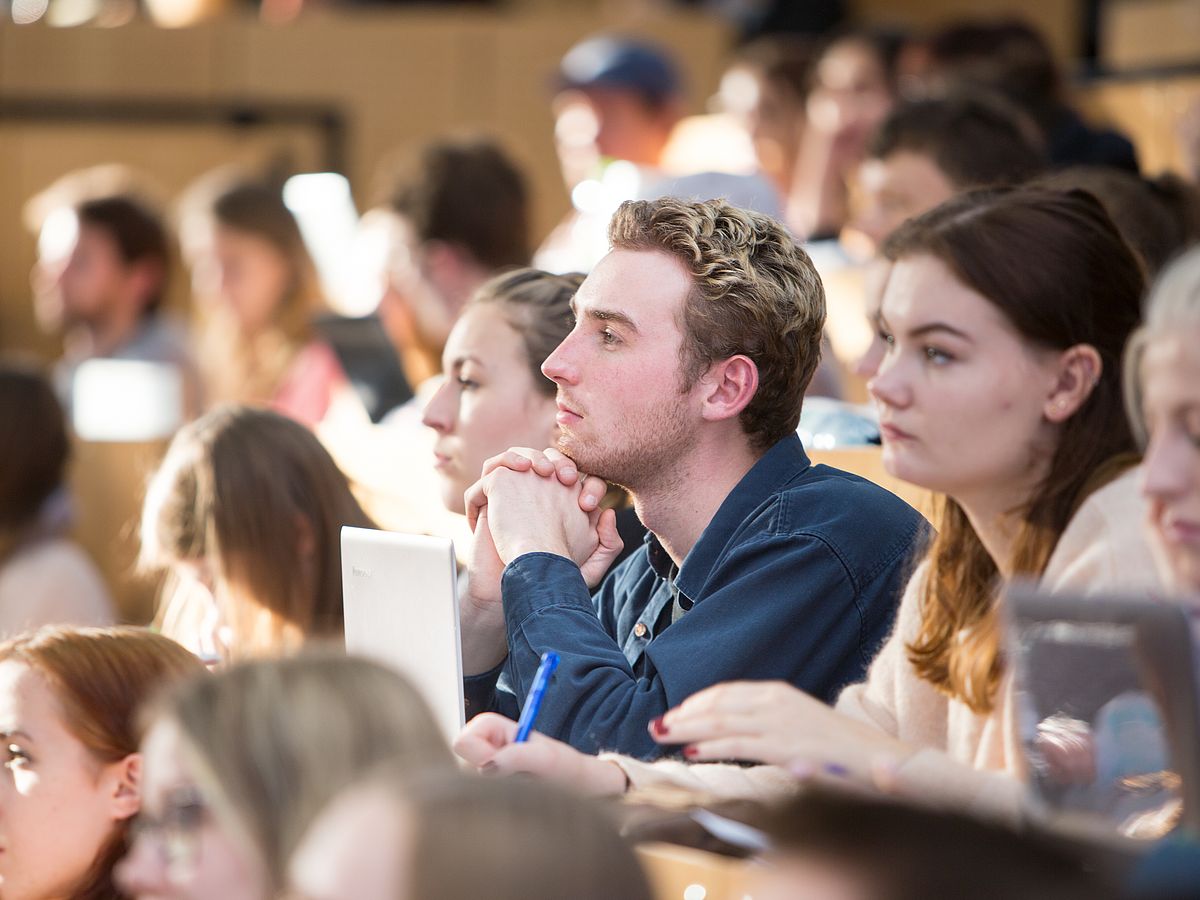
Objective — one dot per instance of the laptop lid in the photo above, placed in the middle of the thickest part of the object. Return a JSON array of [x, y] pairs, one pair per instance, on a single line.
[[1106, 698], [401, 608]]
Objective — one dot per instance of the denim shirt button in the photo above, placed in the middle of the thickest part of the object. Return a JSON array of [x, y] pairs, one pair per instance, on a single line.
[[640, 629]]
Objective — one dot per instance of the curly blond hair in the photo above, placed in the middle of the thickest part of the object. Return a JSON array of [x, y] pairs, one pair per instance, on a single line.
[[754, 292]]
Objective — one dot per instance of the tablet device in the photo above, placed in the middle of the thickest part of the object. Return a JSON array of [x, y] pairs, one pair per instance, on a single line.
[[1106, 699], [401, 608]]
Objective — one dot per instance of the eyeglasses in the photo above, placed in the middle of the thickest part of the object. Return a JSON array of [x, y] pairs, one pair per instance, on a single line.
[[176, 830]]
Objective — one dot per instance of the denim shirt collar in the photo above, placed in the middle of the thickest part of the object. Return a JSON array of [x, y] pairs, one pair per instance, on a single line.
[[774, 469]]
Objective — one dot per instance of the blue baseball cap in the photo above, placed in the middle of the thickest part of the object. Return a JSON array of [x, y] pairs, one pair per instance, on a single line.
[[622, 64]]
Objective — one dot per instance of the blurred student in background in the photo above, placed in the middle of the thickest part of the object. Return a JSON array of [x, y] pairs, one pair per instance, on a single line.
[[765, 89], [72, 776], [246, 512], [1163, 381], [617, 104], [45, 578], [457, 213], [1015, 415], [237, 765], [925, 152], [853, 88], [259, 291], [101, 280], [1009, 57], [389, 838]]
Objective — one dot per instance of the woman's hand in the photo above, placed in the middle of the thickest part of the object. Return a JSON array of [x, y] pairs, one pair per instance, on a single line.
[[773, 722], [487, 744]]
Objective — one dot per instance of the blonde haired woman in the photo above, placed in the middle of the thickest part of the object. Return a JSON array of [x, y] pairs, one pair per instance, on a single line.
[[237, 765], [246, 512], [1163, 387]]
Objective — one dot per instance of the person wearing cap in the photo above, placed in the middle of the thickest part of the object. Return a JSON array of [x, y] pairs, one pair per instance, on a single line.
[[616, 103]]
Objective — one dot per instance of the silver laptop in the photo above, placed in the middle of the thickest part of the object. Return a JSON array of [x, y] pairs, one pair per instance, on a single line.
[[1107, 704], [401, 608]]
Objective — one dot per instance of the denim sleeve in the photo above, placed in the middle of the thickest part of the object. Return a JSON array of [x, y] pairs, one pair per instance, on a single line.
[[785, 607]]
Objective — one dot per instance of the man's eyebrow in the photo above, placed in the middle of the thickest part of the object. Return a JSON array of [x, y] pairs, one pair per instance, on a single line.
[[610, 315]]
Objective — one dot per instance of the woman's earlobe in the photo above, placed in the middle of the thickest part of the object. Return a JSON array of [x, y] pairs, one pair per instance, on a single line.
[[127, 792], [1079, 372]]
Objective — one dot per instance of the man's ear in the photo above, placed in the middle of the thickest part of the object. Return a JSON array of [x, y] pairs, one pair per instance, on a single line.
[[126, 797], [729, 386], [146, 279], [1079, 370]]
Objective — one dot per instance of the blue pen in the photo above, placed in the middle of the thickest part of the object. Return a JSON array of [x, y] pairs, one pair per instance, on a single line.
[[533, 703]]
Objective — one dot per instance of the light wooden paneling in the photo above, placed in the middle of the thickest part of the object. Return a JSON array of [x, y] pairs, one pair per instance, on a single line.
[[1148, 111], [1149, 33]]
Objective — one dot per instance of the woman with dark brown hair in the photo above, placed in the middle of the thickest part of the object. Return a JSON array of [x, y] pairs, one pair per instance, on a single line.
[[1004, 315], [246, 511], [72, 772], [45, 578], [258, 345]]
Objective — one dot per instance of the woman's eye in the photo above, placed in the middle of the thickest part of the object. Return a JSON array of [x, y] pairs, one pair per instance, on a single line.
[[937, 357], [886, 336], [466, 384], [15, 756], [608, 336]]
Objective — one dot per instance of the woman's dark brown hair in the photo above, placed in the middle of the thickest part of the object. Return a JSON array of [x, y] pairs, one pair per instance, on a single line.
[[100, 677], [258, 496], [1057, 269], [33, 450]]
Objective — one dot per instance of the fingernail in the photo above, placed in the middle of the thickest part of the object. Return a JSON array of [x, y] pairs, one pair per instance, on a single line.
[[691, 752], [801, 770], [589, 499], [489, 768], [569, 470], [658, 726]]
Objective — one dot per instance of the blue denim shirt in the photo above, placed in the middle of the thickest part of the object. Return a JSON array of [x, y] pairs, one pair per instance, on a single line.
[[797, 577]]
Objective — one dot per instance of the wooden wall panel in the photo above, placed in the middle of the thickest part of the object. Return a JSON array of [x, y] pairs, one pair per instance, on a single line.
[[1148, 111], [1146, 33]]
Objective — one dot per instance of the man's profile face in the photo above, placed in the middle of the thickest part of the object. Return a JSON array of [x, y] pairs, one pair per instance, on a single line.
[[623, 412], [94, 277]]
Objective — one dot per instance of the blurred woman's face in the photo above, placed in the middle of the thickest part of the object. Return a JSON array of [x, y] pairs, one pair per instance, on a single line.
[[354, 850], [59, 804], [961, 394], [251, 277], [487, 403], [182, 850], [851, 95], [1171, 404]]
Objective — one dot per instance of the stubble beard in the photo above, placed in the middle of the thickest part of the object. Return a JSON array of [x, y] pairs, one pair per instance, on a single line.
[[638, 456]]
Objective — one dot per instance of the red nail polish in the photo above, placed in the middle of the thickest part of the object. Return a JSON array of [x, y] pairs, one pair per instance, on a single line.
[[658, 727], [690, 752]]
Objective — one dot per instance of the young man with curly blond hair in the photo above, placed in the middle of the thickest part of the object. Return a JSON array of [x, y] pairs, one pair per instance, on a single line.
[[682, 382]]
